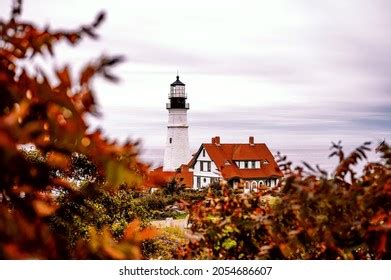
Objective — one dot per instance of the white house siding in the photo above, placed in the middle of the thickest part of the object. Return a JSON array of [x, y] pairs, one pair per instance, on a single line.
[[252, 185], [205, 176]]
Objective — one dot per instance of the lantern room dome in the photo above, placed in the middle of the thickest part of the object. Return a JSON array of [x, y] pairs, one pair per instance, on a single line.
[[177, 82]]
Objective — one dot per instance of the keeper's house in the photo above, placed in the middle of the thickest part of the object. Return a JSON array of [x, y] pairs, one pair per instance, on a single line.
[[251, 163]]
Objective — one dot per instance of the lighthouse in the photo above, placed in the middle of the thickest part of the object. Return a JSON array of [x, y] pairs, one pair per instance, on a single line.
[[177, 151]]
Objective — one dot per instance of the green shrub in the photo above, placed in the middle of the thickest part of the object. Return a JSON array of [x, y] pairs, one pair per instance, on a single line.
[[103, 209], [166, 245]]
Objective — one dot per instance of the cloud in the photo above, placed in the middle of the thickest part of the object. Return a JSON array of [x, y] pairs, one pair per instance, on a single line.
[[292, 73]]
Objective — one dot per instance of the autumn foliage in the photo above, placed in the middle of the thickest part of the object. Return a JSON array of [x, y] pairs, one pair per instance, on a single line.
[[50, 116], [310, 215]]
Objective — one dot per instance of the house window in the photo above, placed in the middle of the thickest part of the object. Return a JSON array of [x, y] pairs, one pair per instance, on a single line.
[[203, 152], [253, 164], [214, 180], [204, 180], [198, 182], [170, 140], [205, 166], [246, 164]]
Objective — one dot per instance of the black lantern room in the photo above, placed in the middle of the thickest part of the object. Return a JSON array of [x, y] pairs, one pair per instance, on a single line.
[[177, 96]]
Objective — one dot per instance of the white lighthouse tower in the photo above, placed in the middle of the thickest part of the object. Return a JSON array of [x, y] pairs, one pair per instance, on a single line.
[[177, 150]]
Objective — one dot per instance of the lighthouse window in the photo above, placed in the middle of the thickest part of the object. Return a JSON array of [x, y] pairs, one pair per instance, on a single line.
[[170, 140]]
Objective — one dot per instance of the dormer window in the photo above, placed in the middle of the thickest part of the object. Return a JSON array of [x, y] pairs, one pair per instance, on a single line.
[[248, 164]]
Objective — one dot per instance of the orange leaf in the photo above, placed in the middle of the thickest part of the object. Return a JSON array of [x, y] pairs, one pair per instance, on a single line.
[[147, 234], [43, 209], [87, 74], [58, 160], [131, 229], [63, 76]]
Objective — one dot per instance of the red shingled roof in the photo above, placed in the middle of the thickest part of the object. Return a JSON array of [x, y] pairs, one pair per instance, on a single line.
[[160, 178], [222, 154]]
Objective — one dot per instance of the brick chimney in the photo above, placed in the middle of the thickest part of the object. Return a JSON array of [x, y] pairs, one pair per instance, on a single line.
[[251, 140], [217, 140]]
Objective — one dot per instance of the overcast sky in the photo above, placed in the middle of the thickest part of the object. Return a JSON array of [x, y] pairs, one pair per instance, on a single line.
[[294, 74]]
